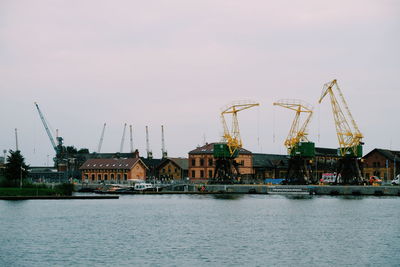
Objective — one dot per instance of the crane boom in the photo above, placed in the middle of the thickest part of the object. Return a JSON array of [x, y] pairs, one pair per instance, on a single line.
[[297, 133], [131, 137], [53, 143], [348, 133], [232, 137], [101, 139], [122, 139]]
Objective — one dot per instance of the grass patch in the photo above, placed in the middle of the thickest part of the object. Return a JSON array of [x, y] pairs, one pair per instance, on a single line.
[[60, 190]]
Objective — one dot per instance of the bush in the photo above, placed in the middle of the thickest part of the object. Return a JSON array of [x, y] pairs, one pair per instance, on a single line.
[[65, 189]]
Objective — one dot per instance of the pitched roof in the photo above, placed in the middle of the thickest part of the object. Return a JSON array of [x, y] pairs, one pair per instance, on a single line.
[[151, 163], [109, 164], [389, 154], [209, 149], [182, 163]]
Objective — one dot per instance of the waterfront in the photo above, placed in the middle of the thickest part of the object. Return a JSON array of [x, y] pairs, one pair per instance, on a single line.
[[198, 230]]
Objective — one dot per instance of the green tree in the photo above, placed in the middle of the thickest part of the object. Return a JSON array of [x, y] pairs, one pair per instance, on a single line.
[[16, 169]]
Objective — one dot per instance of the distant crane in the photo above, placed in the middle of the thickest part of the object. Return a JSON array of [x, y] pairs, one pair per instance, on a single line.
[[225, 152], [349, 137], [149, 153], [101, 139], [16, 140], [131, 137], [163, 150], [58, 148], [122, 139], [300, 150]]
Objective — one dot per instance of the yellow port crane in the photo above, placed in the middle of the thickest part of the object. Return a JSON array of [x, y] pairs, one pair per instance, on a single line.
[[232, 137], [348, 134], [298, 132]]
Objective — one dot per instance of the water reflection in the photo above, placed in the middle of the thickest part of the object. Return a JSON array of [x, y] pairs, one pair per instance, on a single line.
[[228, 196]]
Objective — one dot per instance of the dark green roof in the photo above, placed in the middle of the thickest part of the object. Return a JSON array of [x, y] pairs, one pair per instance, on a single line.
[[209, 149], [323, 151], [269, 160]]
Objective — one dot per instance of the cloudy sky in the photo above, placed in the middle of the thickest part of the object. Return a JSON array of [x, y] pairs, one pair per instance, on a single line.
[[178, 62]]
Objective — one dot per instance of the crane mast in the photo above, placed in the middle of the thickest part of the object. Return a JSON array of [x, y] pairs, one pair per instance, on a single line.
[[122, 139], [131, 137], [16, 140], [53, 143], [149, 153], [348, 133], [101, 139], [163, 150]]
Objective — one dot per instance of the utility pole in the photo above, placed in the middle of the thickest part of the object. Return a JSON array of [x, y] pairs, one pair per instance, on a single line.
[[163, 151], [149, 153], [131, 137], [123, 139], [16, 139]]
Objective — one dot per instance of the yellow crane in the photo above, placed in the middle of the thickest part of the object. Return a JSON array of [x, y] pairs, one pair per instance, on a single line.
[[348, 134], [298, 132], [232, 136]]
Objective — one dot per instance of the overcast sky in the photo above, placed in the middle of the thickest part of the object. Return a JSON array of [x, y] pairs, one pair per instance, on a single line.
[[178, 62]]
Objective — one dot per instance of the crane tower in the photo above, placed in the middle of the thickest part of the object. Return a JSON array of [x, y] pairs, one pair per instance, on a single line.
[[225, 152], [300, 150]]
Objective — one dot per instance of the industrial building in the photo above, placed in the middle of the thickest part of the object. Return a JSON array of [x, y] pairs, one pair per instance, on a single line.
[[113, 170], [383, 163]]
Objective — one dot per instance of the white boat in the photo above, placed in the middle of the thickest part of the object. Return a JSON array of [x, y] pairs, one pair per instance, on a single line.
[[146, 187]]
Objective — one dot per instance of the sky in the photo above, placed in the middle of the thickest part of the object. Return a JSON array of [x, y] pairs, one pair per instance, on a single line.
[[177, 63]]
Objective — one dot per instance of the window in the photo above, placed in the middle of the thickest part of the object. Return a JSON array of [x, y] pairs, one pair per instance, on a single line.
[[193, 174], [98, 176], [201, 162], [118, 176], [112, 176], [93, 177], [193, 162], [125, 176], [201, 174], [105, 176], [242, 162], [210, 174], [176, 170], [210, 162]]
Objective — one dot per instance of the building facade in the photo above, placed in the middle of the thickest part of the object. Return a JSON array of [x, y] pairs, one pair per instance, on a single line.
[[202, 163], [383, 163], [113, 170], [173, 169]]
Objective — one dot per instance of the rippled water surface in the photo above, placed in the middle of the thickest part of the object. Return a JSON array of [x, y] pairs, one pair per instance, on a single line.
[[182, 230]]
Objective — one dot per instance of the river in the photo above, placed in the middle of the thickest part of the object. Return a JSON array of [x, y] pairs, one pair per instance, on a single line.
[[202, 230]]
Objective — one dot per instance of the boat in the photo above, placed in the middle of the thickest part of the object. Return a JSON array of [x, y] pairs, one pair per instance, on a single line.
[[146, 187]]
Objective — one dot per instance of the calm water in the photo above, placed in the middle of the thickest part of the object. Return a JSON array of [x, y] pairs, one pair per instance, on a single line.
[[183, 230]]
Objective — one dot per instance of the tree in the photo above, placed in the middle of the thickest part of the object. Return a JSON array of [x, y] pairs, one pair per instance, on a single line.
[[16, 169]]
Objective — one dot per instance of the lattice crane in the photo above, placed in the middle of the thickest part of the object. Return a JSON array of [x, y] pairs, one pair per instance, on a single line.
[[349, 137], [300, 149], [298, 132], [232, 136], [348, 133], [226, 168]]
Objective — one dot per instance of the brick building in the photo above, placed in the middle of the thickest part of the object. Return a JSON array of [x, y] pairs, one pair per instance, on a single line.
[[383, 163], [202, 163], [118, 170], [173, 169]]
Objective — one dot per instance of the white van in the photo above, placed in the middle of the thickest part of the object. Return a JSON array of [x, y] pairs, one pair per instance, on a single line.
[[396, 181]]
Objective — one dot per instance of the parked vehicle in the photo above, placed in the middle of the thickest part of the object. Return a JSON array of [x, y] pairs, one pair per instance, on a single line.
[[375, 180], [329, 178], [396, 180], [146, 187]]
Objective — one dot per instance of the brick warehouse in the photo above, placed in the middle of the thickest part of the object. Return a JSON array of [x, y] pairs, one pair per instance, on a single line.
[[113, 170]]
